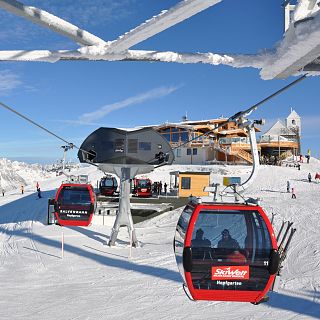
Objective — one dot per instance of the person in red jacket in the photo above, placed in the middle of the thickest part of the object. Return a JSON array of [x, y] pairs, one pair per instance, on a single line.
[[237, 257]]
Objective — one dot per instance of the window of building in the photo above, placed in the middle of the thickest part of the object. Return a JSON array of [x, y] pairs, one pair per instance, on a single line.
[[119, 145], [186, 183], [184, 136], [178, 153], [166, 136], [175, 137], [132, 145], [194, 151], [293, 122], [144, 145], [188, 152]]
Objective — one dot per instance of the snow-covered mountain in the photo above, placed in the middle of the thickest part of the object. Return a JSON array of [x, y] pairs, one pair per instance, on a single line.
[[13, 174]]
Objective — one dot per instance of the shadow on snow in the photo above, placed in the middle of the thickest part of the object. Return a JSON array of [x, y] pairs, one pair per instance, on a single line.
[[31, 208], [297, 305]]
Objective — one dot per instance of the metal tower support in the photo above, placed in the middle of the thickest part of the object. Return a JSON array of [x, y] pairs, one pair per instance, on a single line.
[[124, 217], [255, 156]]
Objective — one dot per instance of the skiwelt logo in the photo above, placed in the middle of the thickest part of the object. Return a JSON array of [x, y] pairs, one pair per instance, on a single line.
[[230, 272]]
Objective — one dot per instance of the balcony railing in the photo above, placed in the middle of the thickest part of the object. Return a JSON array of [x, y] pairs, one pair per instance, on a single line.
[[267, 139], [237, 140]]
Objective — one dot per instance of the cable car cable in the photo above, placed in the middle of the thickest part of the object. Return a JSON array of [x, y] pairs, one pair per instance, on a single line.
[[70, 144]]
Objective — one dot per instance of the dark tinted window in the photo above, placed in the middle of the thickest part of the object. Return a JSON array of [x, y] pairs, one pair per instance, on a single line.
[[184, 219], [186, 183], [119, 145], [180, 236], [184, 136], [144, 183], [175, 137], [74, 196], [108, 182], [166, 136], [236, 239], [144, 145], [132, 145]]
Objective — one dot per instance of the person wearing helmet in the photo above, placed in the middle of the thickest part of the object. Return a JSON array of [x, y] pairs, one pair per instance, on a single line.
[[227, 242]]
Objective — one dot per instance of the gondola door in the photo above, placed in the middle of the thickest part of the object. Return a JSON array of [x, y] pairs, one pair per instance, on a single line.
[[230, 253]]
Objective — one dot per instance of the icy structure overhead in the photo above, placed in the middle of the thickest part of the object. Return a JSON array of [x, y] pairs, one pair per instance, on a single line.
[[298, 52]]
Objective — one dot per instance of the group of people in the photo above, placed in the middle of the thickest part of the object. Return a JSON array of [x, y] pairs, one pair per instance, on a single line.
[[22, 190], [270, 160], [307, 156], [291, 189], [157, 188], [316, 177], [37, 187]]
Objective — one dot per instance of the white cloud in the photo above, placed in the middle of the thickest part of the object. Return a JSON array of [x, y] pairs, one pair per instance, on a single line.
[[8, 81], [103, 111]]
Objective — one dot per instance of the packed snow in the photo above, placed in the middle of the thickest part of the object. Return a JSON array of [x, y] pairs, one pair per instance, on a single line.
[[94, 281]]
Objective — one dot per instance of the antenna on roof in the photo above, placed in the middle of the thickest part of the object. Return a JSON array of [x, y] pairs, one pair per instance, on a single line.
[[185, 117]]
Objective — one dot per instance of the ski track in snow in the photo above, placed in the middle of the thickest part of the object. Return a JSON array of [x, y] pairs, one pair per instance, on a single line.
[[94, 281]]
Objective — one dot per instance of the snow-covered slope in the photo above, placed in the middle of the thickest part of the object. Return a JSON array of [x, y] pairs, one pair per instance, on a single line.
[[93, 281]]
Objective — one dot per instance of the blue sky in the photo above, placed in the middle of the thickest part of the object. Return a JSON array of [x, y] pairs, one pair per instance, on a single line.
[[74, 98]]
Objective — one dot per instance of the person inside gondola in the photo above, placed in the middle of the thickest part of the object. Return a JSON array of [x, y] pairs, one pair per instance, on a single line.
[[201, 246], [199, 240], [227, 242]]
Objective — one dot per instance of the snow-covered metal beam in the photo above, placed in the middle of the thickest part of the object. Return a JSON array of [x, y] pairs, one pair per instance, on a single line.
[[166, 19], [304, 9], [51, 22], [237, 61], [300, 47]]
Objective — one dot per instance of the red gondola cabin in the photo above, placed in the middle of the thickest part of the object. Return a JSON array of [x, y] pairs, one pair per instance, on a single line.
[[142, 187], [108, 186], [75, 204], [226, 252]]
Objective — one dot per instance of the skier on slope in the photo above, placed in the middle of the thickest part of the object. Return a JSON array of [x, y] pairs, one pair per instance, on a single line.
[[288, 186]]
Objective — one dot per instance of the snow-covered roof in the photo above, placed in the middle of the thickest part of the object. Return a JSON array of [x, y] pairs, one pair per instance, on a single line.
[[293, 114], [279, 129]]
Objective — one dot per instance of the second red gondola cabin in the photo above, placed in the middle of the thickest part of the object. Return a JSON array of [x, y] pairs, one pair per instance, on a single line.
[[142, 187], [226, 252]]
